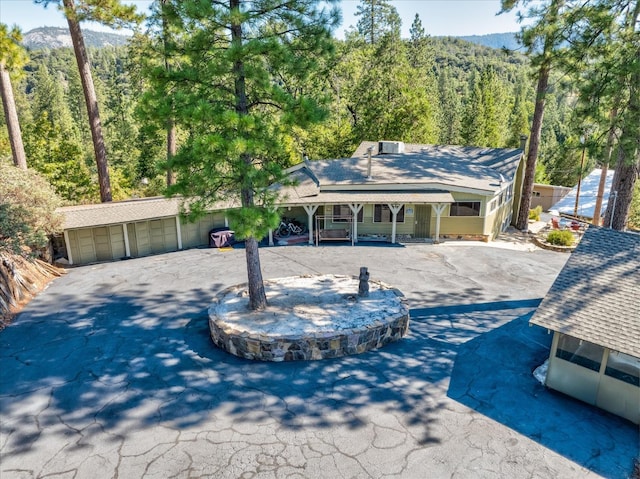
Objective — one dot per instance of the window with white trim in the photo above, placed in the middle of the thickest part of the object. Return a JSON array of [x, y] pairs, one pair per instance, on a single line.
[[382, 214]]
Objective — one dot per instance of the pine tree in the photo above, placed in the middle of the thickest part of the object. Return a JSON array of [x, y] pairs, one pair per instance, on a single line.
[[547, 33], [12, 58], [377, 18], [112, 13], [227, 95]]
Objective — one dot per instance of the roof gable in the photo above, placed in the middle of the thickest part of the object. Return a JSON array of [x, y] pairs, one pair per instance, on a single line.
[[595, 296]]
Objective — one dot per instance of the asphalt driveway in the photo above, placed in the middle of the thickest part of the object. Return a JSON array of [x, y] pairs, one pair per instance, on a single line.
[[110, 372]]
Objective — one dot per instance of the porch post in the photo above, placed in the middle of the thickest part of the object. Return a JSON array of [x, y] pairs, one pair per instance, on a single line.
[[310, 209], [127, 247], [270, 237], [439, 210], [355, 209], [68, 243], [395, 209]]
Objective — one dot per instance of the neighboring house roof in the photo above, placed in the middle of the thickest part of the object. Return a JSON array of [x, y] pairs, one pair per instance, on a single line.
[[595, 297], [588, 195], [420, 169]]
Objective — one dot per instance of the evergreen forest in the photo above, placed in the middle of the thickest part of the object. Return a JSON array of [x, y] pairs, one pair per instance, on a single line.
[[372, 86]]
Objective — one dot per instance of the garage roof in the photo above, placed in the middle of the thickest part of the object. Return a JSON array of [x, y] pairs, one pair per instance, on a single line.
[[115, 212], [595, 296]]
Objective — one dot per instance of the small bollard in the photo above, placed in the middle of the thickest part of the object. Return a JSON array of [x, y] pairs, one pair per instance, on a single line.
[[363, 287]]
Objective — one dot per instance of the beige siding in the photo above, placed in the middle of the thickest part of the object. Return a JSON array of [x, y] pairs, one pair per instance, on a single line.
[[593, 387], [197, 233], [369, 227]]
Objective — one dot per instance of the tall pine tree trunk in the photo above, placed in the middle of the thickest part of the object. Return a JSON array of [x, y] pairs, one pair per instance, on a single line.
[[534, 146], [91, 101], [171, 150], [628, 164], [597, 209], [257, 295], [171, 126], [11, 117]]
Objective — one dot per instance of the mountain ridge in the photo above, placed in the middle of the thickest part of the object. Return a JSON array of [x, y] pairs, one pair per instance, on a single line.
[[57, 37]]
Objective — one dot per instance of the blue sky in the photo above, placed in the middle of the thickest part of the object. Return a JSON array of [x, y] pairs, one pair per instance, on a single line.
[[439, 17]]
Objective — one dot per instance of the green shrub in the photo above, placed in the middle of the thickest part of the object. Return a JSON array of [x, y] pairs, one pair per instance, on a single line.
[[27, 210], [535, 213], [560, 237]]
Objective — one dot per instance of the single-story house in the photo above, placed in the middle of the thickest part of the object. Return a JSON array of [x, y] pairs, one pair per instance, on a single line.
[[593, 309], [390, 190], [387, 191]]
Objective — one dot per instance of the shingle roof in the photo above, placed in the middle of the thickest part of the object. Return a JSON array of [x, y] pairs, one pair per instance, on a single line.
[[119, 212], [596, 296], [466, 167]]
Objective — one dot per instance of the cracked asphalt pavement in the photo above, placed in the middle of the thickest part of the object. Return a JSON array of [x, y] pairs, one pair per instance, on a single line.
[[110, 373]]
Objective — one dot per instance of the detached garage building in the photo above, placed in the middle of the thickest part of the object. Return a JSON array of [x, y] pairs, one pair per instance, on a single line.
[[125, 229]]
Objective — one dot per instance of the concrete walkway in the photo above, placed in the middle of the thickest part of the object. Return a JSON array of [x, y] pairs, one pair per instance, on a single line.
[[110, 373]]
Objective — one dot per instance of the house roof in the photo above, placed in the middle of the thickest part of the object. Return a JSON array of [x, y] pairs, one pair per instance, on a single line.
[[422, 174], [595, 296], [588, 195], [425, 173]]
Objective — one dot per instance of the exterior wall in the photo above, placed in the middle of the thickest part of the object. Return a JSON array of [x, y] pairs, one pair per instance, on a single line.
[[462, 226], [498, 220], [106, 243], [369, 227], [547, 195], [197, 233], [593, 387]]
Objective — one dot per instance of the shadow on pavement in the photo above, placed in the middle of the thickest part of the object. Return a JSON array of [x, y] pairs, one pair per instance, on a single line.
[[493, 375], [116, 361]]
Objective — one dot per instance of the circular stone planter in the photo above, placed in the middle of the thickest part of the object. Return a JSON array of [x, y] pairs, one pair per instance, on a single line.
[[308, 318]]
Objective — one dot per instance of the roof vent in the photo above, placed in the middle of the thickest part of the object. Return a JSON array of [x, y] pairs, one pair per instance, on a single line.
[[385, 147]]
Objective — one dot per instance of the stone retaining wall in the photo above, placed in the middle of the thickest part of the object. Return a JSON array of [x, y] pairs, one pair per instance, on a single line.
[[312, 346]]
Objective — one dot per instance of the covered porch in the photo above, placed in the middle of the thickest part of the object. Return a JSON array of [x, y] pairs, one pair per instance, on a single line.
[[371, 215]]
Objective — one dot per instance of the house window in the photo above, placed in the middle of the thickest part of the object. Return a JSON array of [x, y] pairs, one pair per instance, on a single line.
[[341, 214], [582, 353], [382, 214], [465, 208], [623, 367]]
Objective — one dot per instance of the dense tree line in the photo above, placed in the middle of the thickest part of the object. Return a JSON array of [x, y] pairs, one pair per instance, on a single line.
[[374, 86]]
